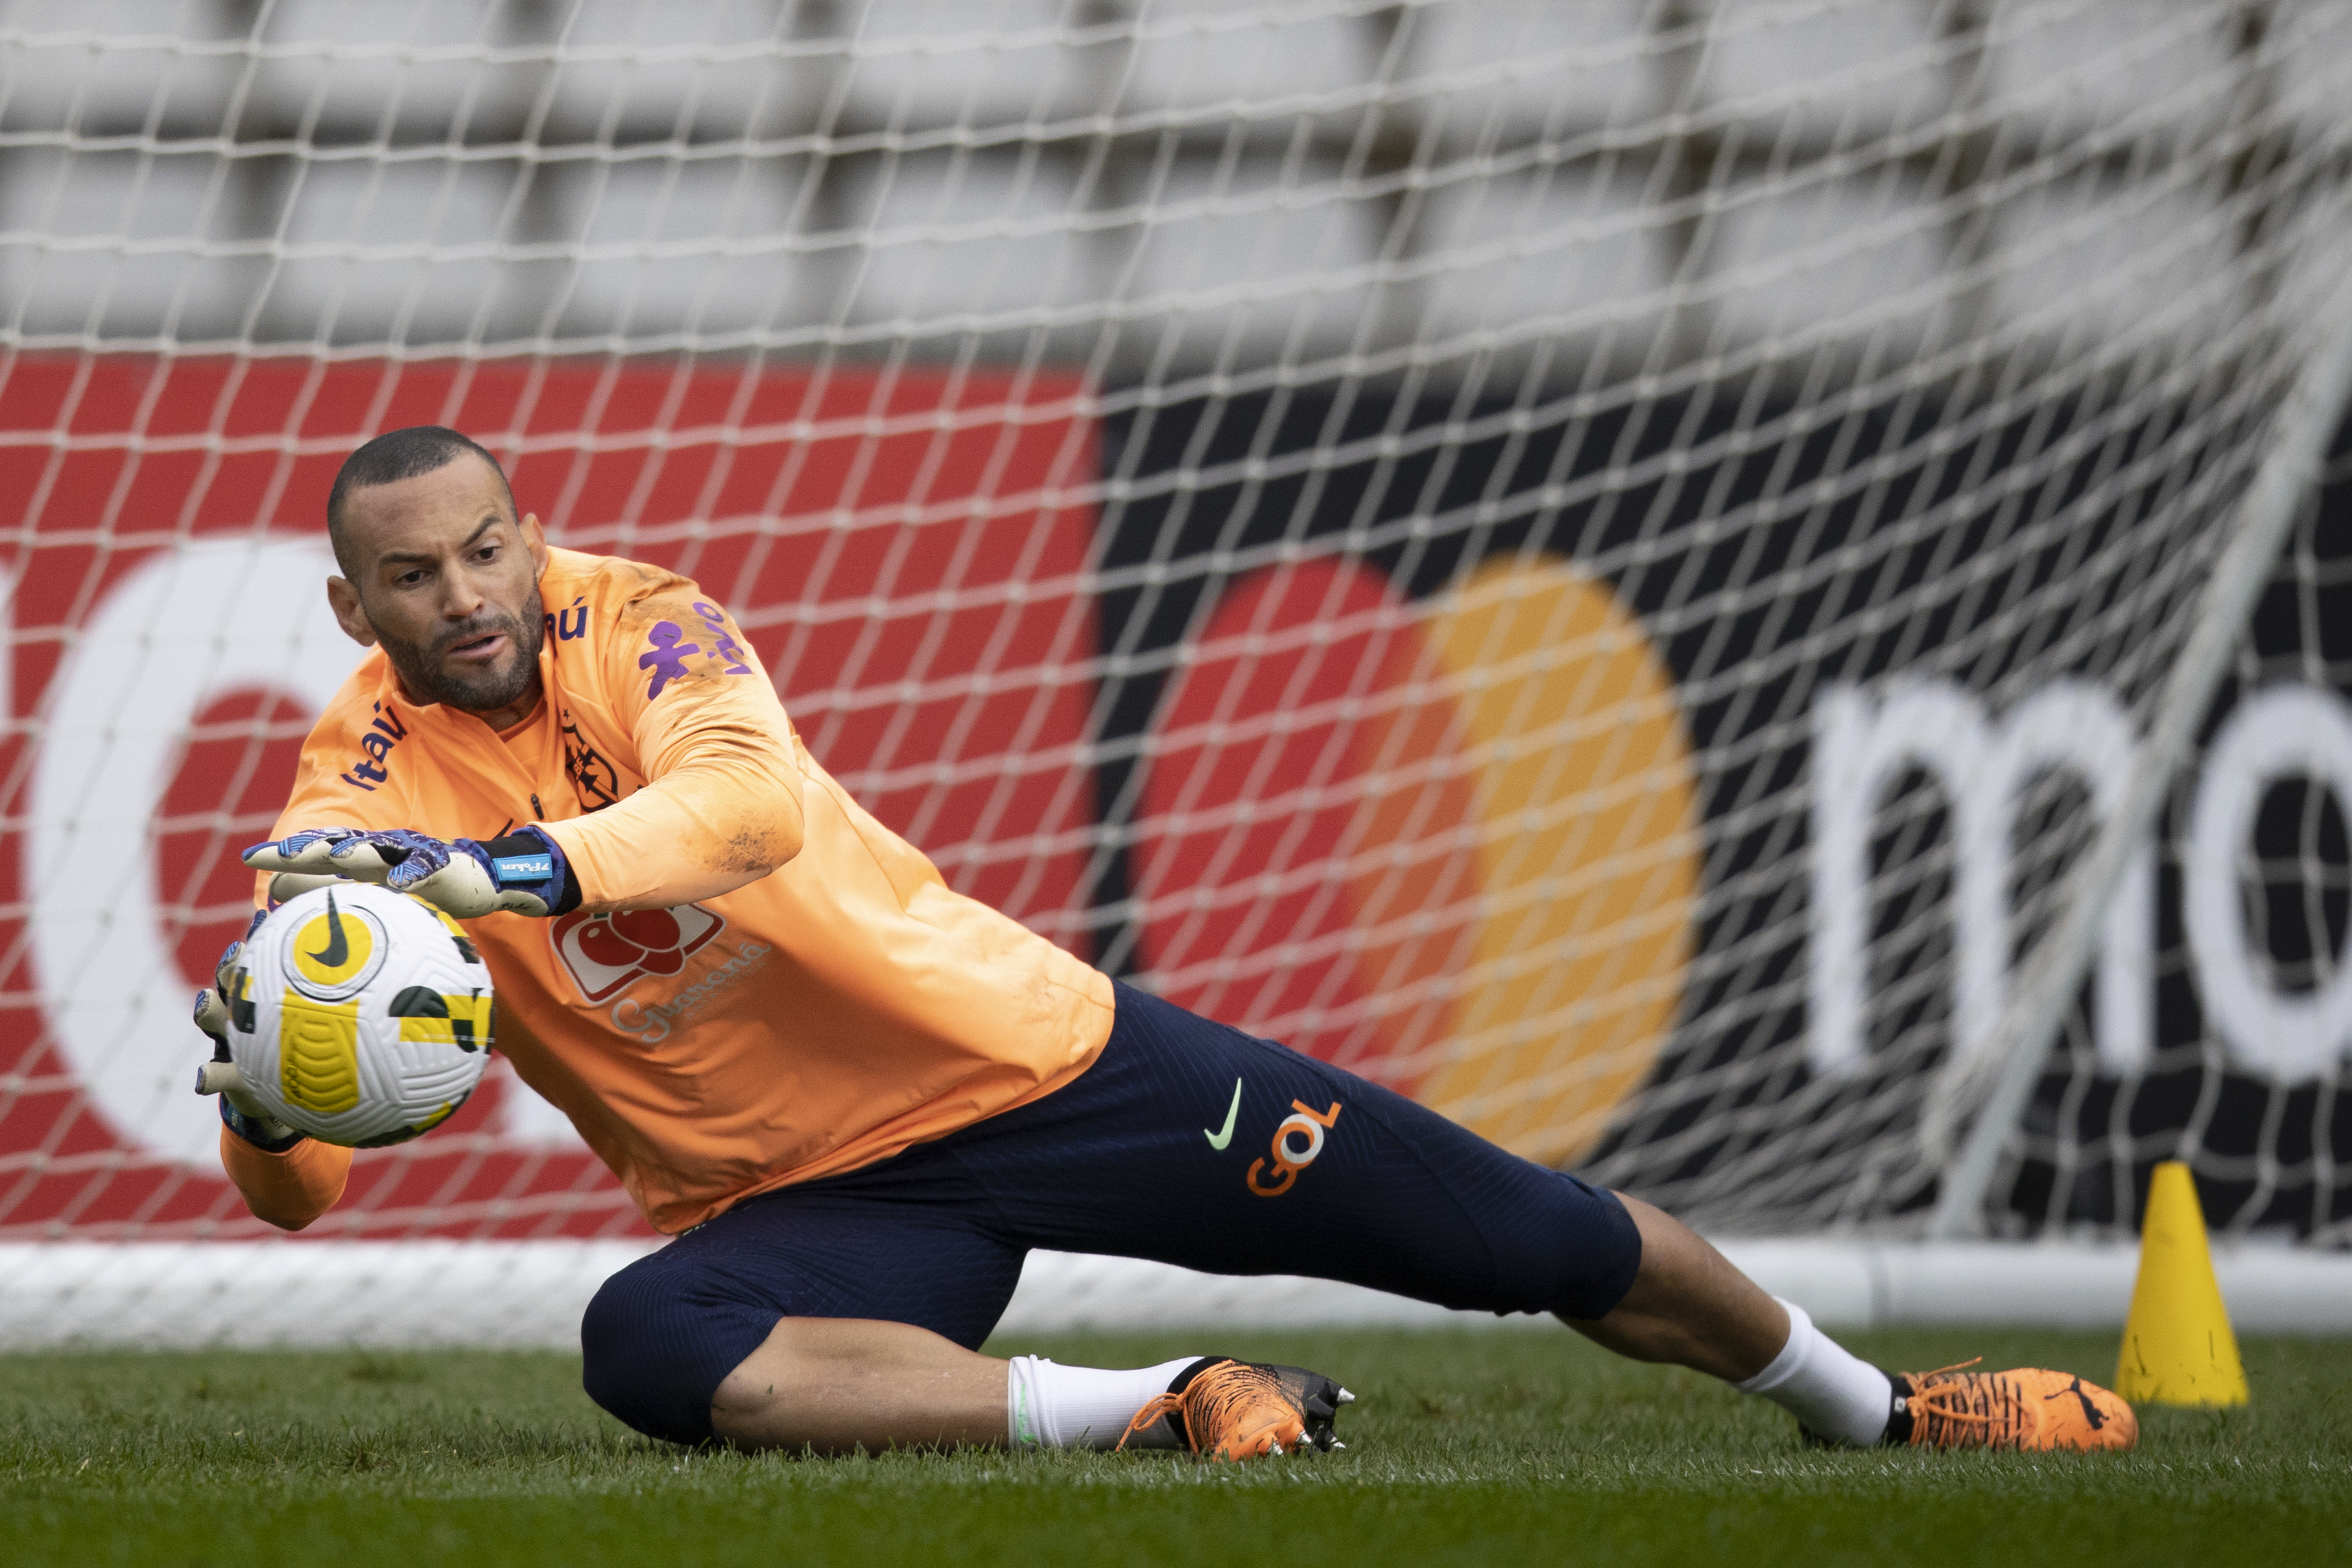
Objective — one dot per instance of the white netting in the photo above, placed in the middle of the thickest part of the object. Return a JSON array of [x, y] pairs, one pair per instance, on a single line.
[[1596, 562]]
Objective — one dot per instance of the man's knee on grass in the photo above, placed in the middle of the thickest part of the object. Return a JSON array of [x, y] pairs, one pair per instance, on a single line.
[[653, 1357]]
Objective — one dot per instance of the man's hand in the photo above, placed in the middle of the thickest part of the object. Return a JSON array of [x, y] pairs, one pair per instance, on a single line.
[[240, 1113], [524, 872]]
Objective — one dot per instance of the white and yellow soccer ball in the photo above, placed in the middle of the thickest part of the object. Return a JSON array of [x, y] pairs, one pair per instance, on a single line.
[[360, 1015]]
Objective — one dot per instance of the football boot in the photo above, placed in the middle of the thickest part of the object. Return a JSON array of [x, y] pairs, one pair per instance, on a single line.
[[2027, 1408], [1226, 1409]]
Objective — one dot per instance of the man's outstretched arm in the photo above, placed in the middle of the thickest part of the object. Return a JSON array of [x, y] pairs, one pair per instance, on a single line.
[[722, 806]]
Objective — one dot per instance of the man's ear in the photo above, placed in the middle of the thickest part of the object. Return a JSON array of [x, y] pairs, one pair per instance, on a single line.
[[534, 541], [344, 600]]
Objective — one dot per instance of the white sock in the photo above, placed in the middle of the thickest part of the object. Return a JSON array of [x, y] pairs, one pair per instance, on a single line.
[[1052, 1406], [1832, 1393]]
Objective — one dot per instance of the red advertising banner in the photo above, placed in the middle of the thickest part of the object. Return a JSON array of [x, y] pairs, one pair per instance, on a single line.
[[906, 550]]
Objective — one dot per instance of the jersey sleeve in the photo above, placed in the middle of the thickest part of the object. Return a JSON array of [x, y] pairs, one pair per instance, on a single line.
[[721, 804], [291, 1189]]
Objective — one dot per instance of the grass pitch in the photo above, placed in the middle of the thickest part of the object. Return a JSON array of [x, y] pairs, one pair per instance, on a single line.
[[1520, 1446]]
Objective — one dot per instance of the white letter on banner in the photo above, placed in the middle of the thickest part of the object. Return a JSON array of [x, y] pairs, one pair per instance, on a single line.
[[1861, 745], [2284, 732], [2073, 727]]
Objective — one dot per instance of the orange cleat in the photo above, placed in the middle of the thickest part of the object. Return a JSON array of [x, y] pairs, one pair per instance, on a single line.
[[1229, 1410], [2027, 1407]]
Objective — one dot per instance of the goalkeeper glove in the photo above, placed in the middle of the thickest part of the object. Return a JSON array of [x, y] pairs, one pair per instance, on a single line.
[[240, 1113], [524, 871]]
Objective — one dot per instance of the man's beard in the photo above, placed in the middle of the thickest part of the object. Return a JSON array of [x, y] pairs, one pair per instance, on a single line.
[[485, 691]]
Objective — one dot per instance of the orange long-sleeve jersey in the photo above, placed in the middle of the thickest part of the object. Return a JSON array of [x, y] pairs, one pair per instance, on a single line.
[[708, 1043]]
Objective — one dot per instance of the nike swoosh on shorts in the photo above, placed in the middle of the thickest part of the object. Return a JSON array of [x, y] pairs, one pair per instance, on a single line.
[[1218, 1139]]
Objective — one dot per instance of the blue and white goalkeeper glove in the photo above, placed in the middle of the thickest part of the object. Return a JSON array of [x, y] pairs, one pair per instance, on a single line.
[[523, 872]]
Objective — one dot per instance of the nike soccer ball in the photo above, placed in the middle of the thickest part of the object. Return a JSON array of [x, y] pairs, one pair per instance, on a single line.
[[360, 1015]]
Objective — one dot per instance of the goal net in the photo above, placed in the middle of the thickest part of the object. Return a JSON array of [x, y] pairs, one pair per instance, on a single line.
[[1605, 565]]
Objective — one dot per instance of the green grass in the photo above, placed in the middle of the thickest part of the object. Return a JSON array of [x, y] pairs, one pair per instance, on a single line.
[[1522, 1447]]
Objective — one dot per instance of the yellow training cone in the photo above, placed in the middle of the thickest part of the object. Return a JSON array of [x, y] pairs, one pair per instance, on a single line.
[[2177, 1347]]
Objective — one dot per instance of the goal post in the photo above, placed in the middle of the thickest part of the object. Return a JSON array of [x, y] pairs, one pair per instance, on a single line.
[[1741, 595], [2286, 486]]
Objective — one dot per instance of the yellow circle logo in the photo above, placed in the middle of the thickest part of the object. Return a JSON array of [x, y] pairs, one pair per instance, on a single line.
[[335, 951]]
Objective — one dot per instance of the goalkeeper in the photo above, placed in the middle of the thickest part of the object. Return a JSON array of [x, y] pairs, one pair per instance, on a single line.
[[857, 1099]]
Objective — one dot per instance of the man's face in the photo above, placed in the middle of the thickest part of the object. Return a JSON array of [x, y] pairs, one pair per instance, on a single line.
[[446, 578]]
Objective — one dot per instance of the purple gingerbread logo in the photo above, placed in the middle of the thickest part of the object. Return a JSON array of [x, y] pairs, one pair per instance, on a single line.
[[668, 659]]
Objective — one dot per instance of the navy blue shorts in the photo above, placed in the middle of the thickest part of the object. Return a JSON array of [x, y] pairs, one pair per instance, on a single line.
[[1187, 1142]]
